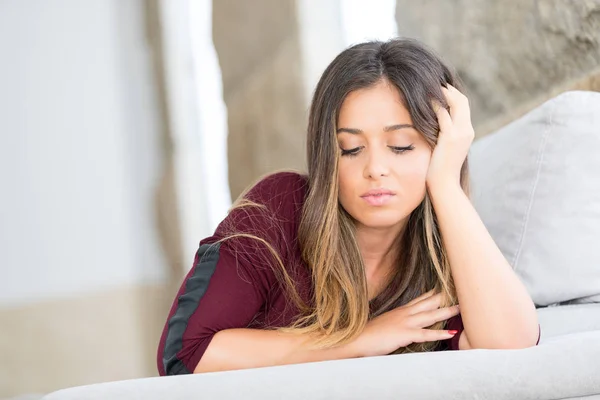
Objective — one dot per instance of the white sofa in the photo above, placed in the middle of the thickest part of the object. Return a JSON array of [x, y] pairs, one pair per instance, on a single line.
[[536, 185]]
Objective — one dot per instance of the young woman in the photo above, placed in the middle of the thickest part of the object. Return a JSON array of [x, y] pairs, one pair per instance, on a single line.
[[371, 252]]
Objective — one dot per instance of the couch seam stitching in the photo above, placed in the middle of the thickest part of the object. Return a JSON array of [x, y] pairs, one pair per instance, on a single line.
[[539, 162]]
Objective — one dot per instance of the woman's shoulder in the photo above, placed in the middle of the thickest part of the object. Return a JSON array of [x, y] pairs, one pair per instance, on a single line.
[[270, 209], [278, 187]]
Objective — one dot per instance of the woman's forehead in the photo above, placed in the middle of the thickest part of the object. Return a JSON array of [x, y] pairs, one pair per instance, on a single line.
[[378, 108]]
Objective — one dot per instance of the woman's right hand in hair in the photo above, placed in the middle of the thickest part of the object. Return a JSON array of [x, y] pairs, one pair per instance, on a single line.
[[405, 325]]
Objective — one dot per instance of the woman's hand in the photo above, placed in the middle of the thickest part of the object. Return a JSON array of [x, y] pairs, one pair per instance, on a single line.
[[405, 325], [454, 140]]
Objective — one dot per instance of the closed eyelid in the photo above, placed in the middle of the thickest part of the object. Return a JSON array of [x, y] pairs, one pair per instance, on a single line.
[[407, 147]]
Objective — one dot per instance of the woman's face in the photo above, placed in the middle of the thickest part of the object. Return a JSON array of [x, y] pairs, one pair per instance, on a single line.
[[384, 160]]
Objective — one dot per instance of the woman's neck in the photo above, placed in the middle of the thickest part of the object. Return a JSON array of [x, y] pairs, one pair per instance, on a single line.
[[379, 249]]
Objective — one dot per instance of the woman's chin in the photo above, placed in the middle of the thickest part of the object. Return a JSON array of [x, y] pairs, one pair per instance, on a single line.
[[382, 220]]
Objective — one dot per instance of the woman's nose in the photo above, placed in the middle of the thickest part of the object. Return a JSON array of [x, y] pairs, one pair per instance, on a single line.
[[376, 166]]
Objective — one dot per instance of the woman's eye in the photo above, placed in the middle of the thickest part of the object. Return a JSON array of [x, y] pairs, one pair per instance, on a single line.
[[395, 149], [351, 152], [400, 150]]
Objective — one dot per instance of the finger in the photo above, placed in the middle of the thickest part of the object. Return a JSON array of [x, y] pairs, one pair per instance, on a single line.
[[431, 303], [443, 117], [420, 298], [432, 335], [454, 90], [429, 318], [458, 102]]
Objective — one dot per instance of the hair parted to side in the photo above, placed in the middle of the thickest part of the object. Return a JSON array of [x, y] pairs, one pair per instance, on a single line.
[[340, 308]]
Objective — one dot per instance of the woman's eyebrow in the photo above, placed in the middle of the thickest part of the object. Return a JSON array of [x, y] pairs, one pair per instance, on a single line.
[[390, 128], [350, 130], [397, 127]]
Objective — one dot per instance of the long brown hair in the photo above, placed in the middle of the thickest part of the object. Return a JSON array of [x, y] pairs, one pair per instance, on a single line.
[[341, 307]]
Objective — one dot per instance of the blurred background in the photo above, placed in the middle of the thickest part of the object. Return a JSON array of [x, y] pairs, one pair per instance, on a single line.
[[128, 126]]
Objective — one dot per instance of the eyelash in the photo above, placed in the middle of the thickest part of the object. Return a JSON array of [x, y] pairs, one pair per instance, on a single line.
[[397, 150]]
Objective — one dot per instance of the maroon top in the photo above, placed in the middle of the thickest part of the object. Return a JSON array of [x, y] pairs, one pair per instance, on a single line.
[[233, 284]]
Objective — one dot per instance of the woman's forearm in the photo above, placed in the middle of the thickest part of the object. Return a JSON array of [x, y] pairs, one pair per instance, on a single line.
[[251, 348], [496, 309]]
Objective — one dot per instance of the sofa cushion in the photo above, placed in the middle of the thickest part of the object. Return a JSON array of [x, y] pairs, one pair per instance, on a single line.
[[563, 320], [536, 186], [563, 368]]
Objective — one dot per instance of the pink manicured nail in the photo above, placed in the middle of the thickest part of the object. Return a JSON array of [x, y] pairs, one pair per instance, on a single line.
[[453, 332]]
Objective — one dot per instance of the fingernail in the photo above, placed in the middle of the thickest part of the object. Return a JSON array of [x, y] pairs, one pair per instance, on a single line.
[[453, 332]]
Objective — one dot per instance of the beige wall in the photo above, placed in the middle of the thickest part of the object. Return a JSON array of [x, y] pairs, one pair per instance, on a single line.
[[271, 53], [100, 337], [512, 55], [258, 46]]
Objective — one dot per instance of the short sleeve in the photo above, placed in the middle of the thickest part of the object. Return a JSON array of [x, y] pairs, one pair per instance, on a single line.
[[218, 293], [454, 323], [231, 277]]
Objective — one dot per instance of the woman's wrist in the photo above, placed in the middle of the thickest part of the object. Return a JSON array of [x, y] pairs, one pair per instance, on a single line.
[[444, 189], [354, 349], [359, 346]]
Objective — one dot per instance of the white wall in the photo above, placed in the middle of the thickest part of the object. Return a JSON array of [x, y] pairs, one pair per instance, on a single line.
[[79, 149], [211, 111], [337, 25], [377, 20]]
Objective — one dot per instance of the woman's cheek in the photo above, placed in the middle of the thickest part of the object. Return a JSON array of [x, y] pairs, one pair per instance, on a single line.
[[414, 176], [345, 183], [420, 166]]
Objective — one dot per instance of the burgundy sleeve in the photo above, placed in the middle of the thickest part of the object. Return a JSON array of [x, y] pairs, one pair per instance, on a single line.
[[456, 323], [219, 293], [229, 282]]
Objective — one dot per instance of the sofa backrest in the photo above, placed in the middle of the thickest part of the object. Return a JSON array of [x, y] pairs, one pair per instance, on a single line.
[[536, 186]]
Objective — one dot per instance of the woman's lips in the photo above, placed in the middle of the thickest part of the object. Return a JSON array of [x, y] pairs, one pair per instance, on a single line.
[[378, 199]]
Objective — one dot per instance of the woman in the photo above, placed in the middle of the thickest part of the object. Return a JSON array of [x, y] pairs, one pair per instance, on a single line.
[[370, 253]]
